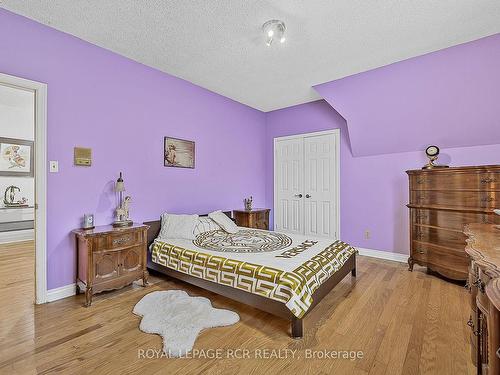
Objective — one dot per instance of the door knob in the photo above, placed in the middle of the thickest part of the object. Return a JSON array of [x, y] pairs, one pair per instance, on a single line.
[[308, 196], [298, 195]]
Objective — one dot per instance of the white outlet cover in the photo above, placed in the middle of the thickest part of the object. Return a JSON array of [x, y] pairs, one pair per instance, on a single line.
[[54, 166]]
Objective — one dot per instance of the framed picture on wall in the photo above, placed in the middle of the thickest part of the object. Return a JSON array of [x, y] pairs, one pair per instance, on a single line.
[[16, 157], [178, 153]]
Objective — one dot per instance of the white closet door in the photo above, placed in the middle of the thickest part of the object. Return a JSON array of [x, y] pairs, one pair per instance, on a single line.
[[320, 186], [289, 185]]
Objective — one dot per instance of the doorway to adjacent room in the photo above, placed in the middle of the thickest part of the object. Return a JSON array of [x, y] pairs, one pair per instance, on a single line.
[[23, 190]]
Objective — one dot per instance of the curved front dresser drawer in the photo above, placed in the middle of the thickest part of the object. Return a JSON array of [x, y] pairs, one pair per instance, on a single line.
[[456, 199], [456, 181]]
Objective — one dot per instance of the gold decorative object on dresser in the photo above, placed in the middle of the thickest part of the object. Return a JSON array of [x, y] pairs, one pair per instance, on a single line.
[[442, 201], [257, 218], [110, 258], [483, 247]]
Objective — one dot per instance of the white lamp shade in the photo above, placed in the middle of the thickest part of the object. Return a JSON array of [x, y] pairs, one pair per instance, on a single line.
[[120, 186]]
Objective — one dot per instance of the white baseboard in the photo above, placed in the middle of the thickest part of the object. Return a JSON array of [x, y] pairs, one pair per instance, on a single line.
[[61, 292], [17, 236], [396, 257]]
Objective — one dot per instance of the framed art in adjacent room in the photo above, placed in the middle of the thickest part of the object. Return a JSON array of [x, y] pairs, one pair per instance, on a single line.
[[16, 157], [178, 153]]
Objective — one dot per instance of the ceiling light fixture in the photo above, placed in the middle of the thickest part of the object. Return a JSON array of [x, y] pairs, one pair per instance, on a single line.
[[274, 30]]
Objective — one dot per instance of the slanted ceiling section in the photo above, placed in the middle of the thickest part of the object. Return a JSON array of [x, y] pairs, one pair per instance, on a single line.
[[450, 98]]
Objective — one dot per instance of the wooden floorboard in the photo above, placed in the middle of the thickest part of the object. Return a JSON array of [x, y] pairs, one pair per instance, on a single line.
[[403, 322]]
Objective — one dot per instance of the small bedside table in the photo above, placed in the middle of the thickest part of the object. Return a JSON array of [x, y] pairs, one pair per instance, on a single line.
[[258, 218], [110, 258]]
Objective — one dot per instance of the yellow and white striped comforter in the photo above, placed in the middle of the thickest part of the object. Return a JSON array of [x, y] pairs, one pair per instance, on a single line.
[[251, 260]]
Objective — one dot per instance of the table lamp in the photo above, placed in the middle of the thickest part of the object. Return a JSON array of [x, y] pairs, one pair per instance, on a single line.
[[122, 211]]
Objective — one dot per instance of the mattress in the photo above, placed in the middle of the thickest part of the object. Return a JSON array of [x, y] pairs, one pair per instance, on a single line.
[[283, 267]]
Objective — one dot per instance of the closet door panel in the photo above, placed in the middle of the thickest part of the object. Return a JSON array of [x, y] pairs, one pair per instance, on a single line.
[[289, 170], [320, 186]]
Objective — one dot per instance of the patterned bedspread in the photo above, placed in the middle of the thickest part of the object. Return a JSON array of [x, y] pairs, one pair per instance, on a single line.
[[282, 267]]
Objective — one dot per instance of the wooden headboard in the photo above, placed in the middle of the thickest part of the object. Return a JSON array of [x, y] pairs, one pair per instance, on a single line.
[[154, 227]]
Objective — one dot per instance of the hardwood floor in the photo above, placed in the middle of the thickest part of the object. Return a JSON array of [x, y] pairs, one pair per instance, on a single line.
[[403, 322]]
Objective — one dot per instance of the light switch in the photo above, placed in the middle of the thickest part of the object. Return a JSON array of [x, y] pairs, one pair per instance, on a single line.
[[54, 166]]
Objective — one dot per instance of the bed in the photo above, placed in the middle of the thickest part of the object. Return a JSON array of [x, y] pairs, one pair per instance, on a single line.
[[282, 274]]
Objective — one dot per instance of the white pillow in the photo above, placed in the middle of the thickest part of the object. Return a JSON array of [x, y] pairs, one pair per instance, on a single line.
[[177, 226], [225, 222], [205, 224]]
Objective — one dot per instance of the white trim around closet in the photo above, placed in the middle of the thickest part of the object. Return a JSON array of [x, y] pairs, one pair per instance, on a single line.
[[336, 133]]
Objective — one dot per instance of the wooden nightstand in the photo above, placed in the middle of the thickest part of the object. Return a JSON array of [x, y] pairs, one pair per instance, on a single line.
[[110, 258], [257, 218]]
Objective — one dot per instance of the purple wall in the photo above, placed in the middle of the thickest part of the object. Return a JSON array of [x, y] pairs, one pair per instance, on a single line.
[[437, 98], [122, 110], [373, 189]]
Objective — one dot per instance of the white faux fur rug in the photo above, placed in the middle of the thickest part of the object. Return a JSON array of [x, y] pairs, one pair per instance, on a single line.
[[179, 318]]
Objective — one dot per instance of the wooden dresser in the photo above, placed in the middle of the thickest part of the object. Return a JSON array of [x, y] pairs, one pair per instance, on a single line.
[[483, 247], [110, 258], [258, 218], [442, 201]]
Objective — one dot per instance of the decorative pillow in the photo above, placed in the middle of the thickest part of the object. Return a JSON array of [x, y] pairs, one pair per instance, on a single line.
[[205, 224], [177, 226], [225, 222]]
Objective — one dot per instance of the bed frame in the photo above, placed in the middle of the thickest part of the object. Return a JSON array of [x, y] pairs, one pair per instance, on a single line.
[[262, 303]]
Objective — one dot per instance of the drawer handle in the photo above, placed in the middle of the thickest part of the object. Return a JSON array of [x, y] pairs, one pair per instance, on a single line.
[[419, 235], [122, 240], [420, 180], [487, 199], [487, 180], [421, 196], [421, 216], [421, 251]]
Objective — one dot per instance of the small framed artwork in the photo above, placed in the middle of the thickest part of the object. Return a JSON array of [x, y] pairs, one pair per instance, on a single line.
[[178, 153], [16, 157]]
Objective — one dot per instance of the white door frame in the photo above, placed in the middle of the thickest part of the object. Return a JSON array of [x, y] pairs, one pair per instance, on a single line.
[[336, 198], [40, 90]]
